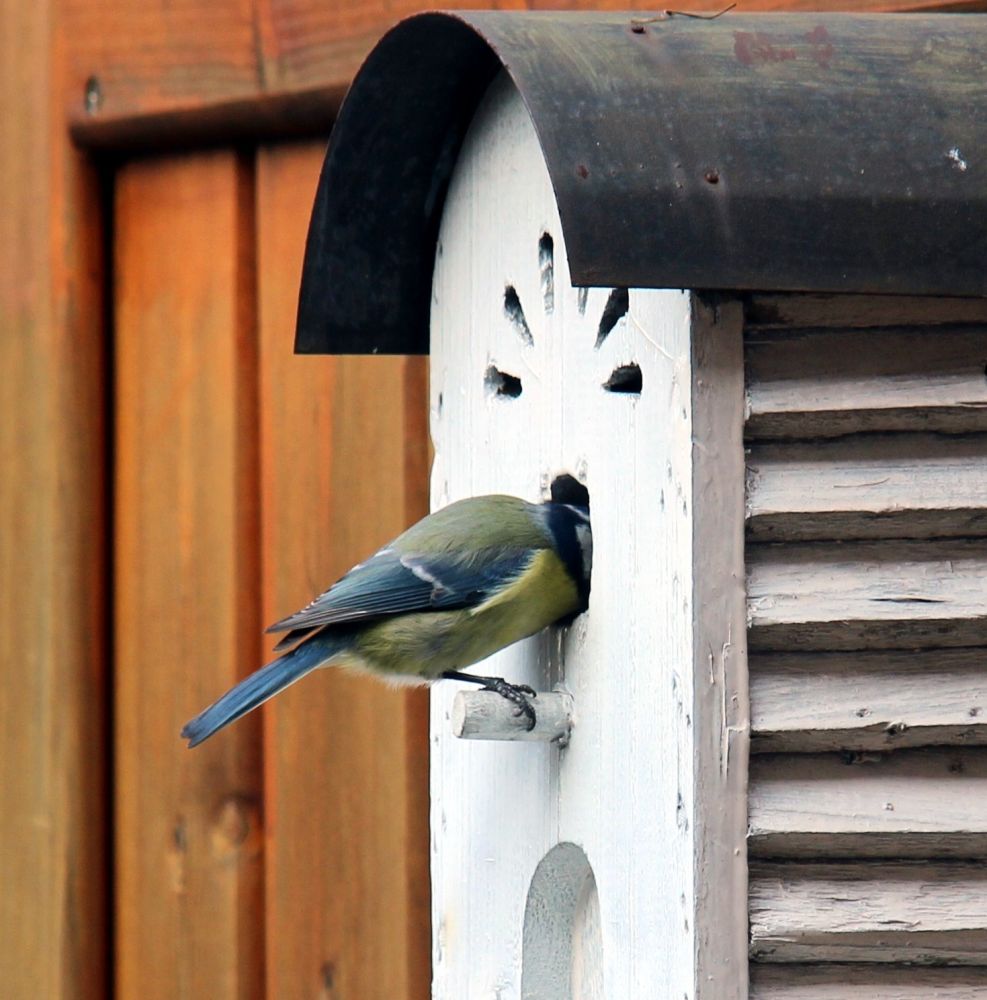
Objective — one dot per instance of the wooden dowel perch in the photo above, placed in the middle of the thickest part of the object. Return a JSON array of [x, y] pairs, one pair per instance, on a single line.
[[485, 715]]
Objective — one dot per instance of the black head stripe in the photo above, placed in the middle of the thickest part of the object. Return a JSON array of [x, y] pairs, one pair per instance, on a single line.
[[563, 521]]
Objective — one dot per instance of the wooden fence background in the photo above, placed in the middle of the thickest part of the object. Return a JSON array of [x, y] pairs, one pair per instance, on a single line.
[[172, 478]]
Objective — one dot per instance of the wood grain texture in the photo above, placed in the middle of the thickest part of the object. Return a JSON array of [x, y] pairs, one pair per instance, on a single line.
[[868, 700], [827, 382], [185, 60], [919, 913], [865, 982], [909, 804], [344, 469], [880, 486], [53, 614], [721, 711], [189, 878], [895, 594], [793, 310]]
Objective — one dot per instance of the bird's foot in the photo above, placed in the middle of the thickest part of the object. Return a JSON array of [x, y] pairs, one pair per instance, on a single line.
[[516, 693]]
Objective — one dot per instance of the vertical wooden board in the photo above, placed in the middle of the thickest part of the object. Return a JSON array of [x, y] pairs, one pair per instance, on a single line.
[[344, 464], [52, 534], [188, 823], [721, 710]]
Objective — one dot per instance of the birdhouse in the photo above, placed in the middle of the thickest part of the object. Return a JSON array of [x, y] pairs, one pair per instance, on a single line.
[[726, 279]]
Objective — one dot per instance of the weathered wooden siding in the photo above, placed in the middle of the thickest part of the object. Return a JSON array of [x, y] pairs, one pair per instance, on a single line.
[[867, 610]]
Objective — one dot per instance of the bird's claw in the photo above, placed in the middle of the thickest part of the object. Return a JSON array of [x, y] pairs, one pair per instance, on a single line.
[[517, 693]]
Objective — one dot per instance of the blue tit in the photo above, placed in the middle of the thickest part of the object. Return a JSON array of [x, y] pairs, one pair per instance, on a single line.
[[454, 588]]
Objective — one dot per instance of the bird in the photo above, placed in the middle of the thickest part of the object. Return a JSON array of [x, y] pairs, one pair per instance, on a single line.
[[460, 584]]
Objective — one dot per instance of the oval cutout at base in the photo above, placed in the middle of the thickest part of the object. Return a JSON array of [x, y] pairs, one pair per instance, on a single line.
[[563, 947]]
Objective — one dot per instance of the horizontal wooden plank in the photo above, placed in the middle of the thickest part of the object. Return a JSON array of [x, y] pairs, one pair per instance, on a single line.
[[865, 982], [181, 63], [789, 310], [868, 486], [909, 804], [812, 383], [893, 594], [924, 914], [868, 700]]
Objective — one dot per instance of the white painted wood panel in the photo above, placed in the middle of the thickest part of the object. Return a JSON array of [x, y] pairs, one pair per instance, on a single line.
[[868, 486], [857, 594], [868, 700], [866, 982], [870, 912], [908, 804], [812, 383], [625, 793]]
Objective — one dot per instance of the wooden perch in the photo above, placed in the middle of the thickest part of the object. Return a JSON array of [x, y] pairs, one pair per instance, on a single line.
[[486, 715]]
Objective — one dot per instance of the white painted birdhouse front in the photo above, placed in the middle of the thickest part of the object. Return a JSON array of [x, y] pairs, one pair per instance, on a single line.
[[594, 844]]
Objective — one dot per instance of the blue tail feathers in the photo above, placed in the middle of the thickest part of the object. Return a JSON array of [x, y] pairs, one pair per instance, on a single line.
[[257, 688]]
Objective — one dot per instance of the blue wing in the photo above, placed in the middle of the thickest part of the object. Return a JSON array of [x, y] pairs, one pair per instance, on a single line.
[[391, 583]]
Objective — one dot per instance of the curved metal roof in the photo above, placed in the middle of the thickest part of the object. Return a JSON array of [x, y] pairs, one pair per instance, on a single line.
[[815, 152]]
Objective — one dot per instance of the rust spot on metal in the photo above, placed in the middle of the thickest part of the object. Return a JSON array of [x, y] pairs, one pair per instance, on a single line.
[[752, 47], [712, 177], [582, 170], [821, 48]]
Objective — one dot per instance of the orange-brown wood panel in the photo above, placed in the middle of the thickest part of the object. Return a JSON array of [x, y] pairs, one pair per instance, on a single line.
[[344, 468], [53, 751], [215, 66], [189, 840]]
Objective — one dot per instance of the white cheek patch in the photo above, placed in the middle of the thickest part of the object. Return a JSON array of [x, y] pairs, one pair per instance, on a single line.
[[585, 538]]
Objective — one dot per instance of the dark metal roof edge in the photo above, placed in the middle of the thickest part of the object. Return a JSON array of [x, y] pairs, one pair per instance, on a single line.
[[791, 152], [367, 276]]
